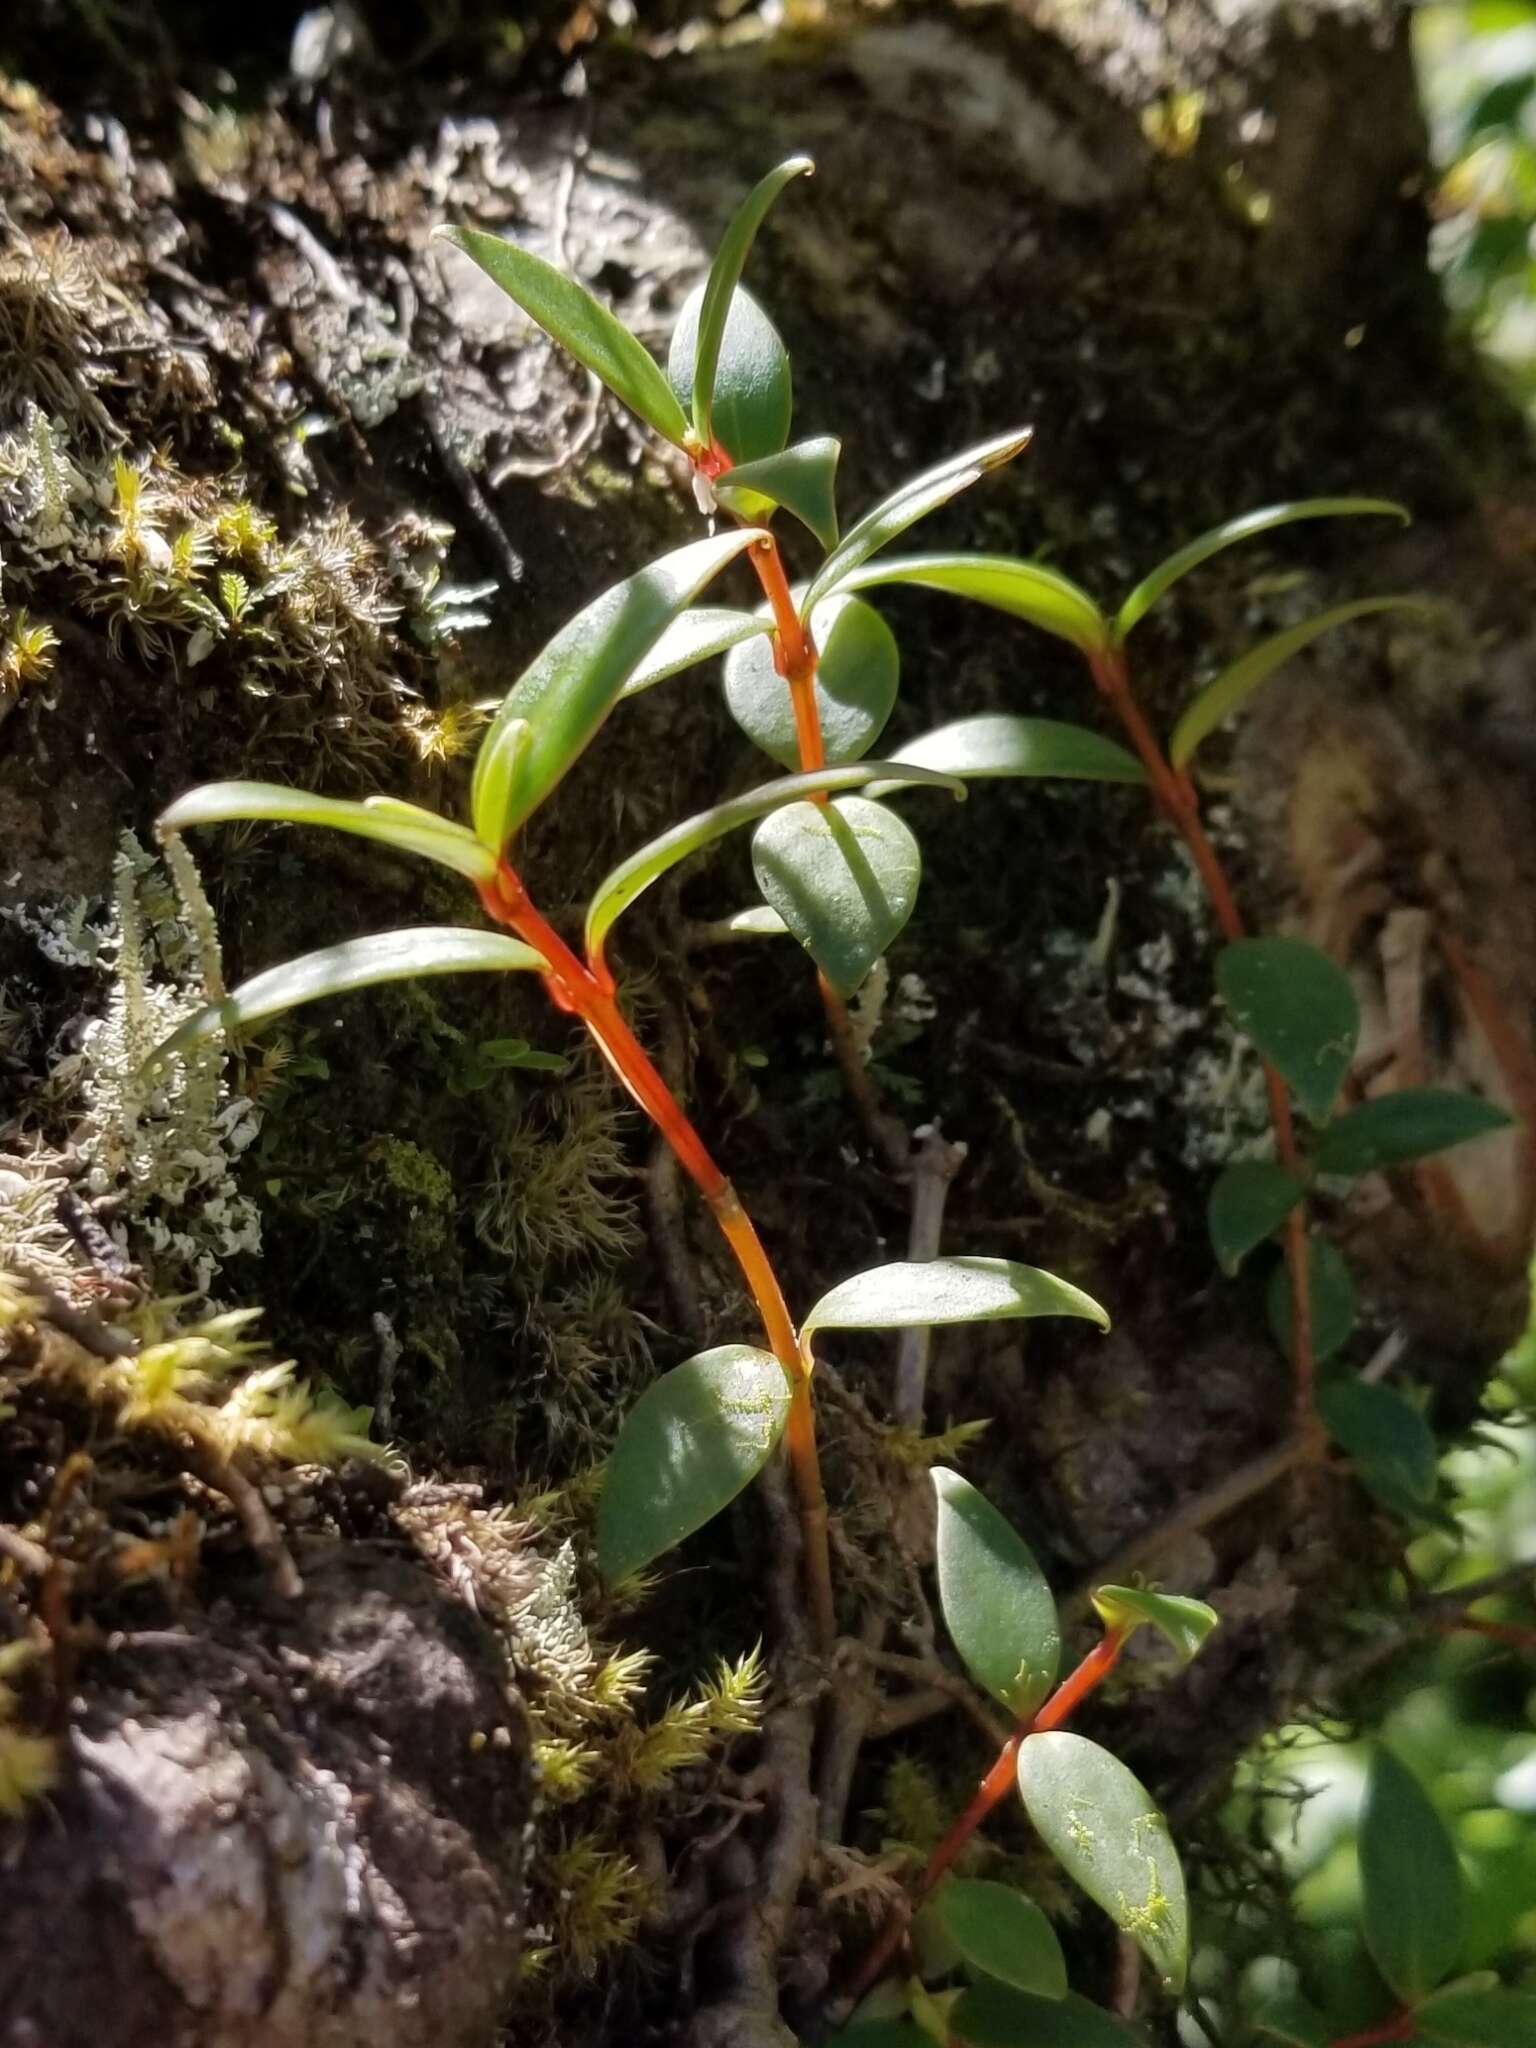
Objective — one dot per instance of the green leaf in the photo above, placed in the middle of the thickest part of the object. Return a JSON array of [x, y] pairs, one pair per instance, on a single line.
[[632, 877], [904, 507], [1494, 2017], [994, 2016], [998, 743], [1331, 1292], [1104, 1830], [996, 1604], [566, 692], [1249, 1202], [695, 635], [1184, 1622], [1023, 589], [1383, 1432], [881, 2034], [1003, 1935], [1235, 685], [1394, 1129], [1293, 2020], [843, 876], [1167, 573], [1410, 1881], [856, 677], [1299, 1009], [912, 1294], [568, 312], [405, 827], [356, 963], [725, 276], [803, 480], [694, 1439], [753, 397]]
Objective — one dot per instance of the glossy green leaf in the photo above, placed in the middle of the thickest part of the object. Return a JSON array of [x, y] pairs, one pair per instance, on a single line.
[[1104, 1830], [1023, 589], [1331, 1291], [1493, 2016], [1249, 1202], [904, 507], [566, 692], [1295, 2021], [568, 312], [1383, 1432], [911, 1294], [1299, 1009], [843, 876], [856, 679], [385, 819], [1229, 534], [632, 877], [725, 276], [1003, 1935], [1235, 685], [997, 743], [1411, 1901], [753, 398], [994, 1597], [995, 2016], [803, 480], [695, 1438], [1393, 1129], [355, 963], [696, 635], [1183, 1622]]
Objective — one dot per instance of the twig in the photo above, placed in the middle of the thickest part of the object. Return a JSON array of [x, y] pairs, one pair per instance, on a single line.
[[885, 1132], [933, 1677], [261, 1532], [931, 1172]]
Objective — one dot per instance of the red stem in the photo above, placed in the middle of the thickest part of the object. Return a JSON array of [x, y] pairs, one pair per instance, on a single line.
[[1398, 2028], [1495, 1631]]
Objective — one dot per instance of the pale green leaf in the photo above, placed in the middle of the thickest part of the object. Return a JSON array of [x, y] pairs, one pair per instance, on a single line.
[[725, 276], [1249, 1202], [857, 673], [1394, 1129], [1235, 685], [1411, 1895], [1000, 743], [1299, 1008], [802, 479], [696, 635], [355, 963], [753, 396], [1183, 1622], [1003, 1934], [994, 1597], [1109, 1837], [1006, 583], [403, 826], [566, 692], [569, 313], [905, 506], [911, 1293], [1229, 534], [995, 2016], [695, 1438], [843, 876]]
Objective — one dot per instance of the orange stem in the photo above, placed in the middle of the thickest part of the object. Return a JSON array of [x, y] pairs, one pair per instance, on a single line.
[[794, 651], [1399, 2028], [1496, 1631]]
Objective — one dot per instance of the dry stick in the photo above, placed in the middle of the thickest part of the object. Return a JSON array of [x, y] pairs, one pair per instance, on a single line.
[[574, 987]]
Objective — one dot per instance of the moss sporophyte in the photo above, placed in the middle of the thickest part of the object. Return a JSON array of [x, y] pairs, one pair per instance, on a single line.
[[811, 675]]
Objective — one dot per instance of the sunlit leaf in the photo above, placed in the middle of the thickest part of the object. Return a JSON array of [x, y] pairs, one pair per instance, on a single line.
[[1104, 1830], [803, 480], [843, 876], [566, 692], [1331, 1291], [1494, 2016], [1228, 534], [1393, 1129], [1004, 1935], [725, 276], [995, 1601], [910, 1293], [753, 398], [1299, 1008], [1023, 589], [385, 819], [1383, 1432], [632, 877], [568, 312], [997, 743], [355, 963], [1235, 685], [694, 1439], [1410, 1880], [697, 634], [904, 507], [995, 2016], [856, 679], [1249, 1202], [1181, 1621]]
